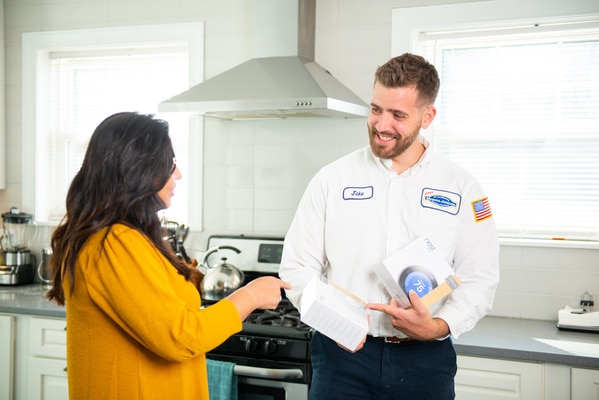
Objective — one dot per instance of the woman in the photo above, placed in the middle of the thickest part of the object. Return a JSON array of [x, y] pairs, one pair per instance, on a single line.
[[135, 327]]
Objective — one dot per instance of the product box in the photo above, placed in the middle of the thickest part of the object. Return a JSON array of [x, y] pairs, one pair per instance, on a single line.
[[420, 267], [334, 312]]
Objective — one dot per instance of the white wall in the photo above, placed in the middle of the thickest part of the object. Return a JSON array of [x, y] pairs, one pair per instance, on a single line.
[[256, 172]]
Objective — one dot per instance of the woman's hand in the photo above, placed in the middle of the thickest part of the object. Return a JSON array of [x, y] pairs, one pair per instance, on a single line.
[[260, 293]]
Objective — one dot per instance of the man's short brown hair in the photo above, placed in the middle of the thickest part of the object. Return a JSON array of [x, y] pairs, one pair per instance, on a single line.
[[407, 70]]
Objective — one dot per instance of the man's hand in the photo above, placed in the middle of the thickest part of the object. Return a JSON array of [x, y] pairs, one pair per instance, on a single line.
[[357, 348], [415, 321]]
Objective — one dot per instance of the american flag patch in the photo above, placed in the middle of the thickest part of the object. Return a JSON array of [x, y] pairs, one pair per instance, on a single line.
[[482, 209]]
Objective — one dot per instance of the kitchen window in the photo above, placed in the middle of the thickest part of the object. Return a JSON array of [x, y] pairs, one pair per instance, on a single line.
[[81, 81], [518, 107]]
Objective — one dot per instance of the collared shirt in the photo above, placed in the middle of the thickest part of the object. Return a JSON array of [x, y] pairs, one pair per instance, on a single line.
[[357, 211]]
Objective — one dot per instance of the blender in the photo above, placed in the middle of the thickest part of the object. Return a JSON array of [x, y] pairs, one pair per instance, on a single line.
[[18, 266]]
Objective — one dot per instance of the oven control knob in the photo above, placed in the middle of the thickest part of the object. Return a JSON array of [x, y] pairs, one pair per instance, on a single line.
[[270, 346], [251, 345]]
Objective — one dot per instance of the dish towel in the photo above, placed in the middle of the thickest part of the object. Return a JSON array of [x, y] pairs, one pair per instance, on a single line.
[[222, 381]]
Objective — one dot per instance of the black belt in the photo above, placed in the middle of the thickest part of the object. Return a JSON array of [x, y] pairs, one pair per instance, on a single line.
[[394, 339]]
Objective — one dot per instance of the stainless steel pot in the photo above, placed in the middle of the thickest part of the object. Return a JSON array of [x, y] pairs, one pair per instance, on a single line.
[[220, 280]]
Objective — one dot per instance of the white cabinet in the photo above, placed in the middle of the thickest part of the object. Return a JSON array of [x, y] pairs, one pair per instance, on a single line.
[[494, 379], [585, 384], [33, 358], [7, 337], [491, 379], [557, 381], [47, 366], [48, 379]]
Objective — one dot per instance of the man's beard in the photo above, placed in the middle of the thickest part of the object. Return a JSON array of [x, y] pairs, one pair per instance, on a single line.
[[402, 143]]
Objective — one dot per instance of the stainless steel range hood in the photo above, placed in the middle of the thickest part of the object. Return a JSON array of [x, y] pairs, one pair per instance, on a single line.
[[282, 81]]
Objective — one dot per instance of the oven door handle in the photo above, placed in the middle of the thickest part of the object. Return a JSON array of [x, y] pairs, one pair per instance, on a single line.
[[259, 372]]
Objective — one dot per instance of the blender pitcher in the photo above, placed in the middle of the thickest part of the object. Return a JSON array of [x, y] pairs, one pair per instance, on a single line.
[[19, 229], [19, 263]]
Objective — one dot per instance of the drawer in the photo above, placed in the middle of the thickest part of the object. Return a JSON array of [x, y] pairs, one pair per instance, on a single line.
[[48, 379], [48, 337]]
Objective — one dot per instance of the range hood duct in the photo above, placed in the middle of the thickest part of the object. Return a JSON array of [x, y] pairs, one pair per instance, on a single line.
[[282, 81]]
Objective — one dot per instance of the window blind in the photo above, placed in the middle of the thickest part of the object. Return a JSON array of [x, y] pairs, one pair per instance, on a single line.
[[521, 112], [85, 87]]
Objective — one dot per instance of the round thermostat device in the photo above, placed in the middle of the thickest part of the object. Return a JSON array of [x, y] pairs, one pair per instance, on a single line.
[[418, 279]]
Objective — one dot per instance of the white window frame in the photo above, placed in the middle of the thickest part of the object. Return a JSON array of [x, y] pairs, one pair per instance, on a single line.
[[409, 23], [37, 46]]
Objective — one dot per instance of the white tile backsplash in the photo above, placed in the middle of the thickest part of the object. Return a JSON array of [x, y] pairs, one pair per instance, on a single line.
[[275, 199], [272, 177], [536, 282], [239, 176], [238, 221], [239, 154], [362, 36], [22, 16], [272, 222], [214, 176], [239, 198], [81, 14]]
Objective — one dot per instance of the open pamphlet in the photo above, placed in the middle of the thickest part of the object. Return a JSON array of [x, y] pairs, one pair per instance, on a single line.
[[334, 312], [419, 267]]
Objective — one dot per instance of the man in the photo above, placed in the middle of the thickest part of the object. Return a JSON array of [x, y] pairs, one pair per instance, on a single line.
[[364, 207]]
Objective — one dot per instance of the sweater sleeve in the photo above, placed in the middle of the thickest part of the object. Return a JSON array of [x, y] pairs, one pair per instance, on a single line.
[[138, 289]]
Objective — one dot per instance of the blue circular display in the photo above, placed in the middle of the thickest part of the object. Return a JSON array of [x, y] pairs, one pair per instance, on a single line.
[[417, 279]]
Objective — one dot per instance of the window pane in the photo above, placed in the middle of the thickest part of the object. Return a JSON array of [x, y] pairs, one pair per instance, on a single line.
[[87, 89], [522, 114]]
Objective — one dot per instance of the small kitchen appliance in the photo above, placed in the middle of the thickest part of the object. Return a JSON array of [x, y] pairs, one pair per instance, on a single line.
[[272, 352], [19, 264], [43, 269], [580, 319]]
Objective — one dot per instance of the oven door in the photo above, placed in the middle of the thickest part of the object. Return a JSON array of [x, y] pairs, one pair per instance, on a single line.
[[267, 379], [265, 389]]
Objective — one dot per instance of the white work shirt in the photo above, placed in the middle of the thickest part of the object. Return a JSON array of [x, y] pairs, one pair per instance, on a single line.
[[357, 211]]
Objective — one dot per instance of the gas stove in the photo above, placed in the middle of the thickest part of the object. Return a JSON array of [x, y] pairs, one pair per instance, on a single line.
[[272, 352], [261, 256], [284, 316], [271, 334]]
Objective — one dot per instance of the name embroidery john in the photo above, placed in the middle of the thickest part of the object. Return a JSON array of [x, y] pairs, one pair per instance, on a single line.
[[358, 193]]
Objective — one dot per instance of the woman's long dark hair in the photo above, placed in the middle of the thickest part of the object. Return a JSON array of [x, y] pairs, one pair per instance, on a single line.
[[128, 160]]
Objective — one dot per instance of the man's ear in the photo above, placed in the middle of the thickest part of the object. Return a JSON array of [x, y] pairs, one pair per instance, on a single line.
[[428, 116]]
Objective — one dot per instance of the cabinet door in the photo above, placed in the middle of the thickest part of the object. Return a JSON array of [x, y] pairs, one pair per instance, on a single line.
[[7, 337], [491, 379], [48, 379], [48, 337], [585, 384], [47, 366]]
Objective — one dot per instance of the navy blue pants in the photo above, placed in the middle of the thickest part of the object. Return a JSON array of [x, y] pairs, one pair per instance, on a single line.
[[411, 370]]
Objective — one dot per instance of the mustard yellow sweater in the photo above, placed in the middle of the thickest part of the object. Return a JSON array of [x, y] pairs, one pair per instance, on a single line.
[[135, 329]]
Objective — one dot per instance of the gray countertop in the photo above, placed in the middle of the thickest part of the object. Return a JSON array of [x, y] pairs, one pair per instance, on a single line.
[[496, 337], [29, 299], [530, 340]]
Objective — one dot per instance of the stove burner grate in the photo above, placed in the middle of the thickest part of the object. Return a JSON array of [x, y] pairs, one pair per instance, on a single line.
[[285, 315], [277, 318]]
